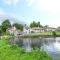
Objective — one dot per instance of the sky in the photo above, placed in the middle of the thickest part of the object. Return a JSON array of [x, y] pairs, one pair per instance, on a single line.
[[47, 12]]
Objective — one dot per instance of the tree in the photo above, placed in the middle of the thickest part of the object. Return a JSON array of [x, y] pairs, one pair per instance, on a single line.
[[34, 24], [39, 25], [18, 26], [5, 25], [54, 33], [46, 26], [0, 30]]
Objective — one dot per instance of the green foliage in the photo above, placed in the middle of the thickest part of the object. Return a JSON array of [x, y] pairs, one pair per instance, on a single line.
[[13, 52], [34, 24], [54, 34], [0, 31], [18, 26], [46, 26], [5, 24], [36, 55], [3, 43]]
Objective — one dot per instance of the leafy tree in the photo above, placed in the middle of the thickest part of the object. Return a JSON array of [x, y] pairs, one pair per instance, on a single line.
[[54, 33], [39, 25], [34, 24], [18, 26], [46, 26], [0, 30], [5, 24]]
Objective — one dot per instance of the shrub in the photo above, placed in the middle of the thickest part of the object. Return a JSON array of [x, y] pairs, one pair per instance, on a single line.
[[54, 34]]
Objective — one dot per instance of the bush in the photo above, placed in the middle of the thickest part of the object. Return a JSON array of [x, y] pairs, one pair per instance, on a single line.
[[54, 34]]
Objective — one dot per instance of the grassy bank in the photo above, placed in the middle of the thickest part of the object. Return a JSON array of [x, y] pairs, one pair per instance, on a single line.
[[6, 37], [42, 34], [13, 52]]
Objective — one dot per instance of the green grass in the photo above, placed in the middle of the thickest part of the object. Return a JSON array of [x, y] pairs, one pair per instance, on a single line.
[[58, 33], [6, 37], [46, 34], [42, 33], [13, 52], [38, 34]]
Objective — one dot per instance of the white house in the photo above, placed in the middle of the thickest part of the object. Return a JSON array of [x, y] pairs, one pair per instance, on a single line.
[[58, 29], [12, 30], [43, 29], [49, 29], [38, 29], [18, 32], [27, 30]]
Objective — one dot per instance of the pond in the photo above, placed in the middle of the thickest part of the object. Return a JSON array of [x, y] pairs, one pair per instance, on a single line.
[[50, 45]]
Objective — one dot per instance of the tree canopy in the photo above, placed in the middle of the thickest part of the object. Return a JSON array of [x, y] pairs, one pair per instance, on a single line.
[[0, 30], [5, 24], [18, 26], [35, 24]]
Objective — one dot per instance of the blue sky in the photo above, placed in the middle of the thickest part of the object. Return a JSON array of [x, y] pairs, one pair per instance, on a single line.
[[45, 11]]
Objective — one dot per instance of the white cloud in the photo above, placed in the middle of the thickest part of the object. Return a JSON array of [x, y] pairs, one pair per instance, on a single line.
[[49, 5], [30, 2], [10, 2], [52, 6], [51, 9]]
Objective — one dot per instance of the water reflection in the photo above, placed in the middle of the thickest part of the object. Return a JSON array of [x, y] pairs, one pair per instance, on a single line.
[[57, 46], [50, 45], [16, 40], [27, 44]]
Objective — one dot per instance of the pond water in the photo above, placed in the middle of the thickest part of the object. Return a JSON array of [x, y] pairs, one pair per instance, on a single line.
[[50, 45]]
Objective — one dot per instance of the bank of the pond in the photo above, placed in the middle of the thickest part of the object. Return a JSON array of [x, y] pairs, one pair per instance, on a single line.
[[13, 52], [6, 37], [43, 34]]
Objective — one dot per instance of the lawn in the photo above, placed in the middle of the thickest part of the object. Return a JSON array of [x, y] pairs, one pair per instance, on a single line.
[[57, 33], [41, 34]]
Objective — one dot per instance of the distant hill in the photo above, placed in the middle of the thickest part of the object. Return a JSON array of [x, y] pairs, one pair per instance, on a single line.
[[11, 19]]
